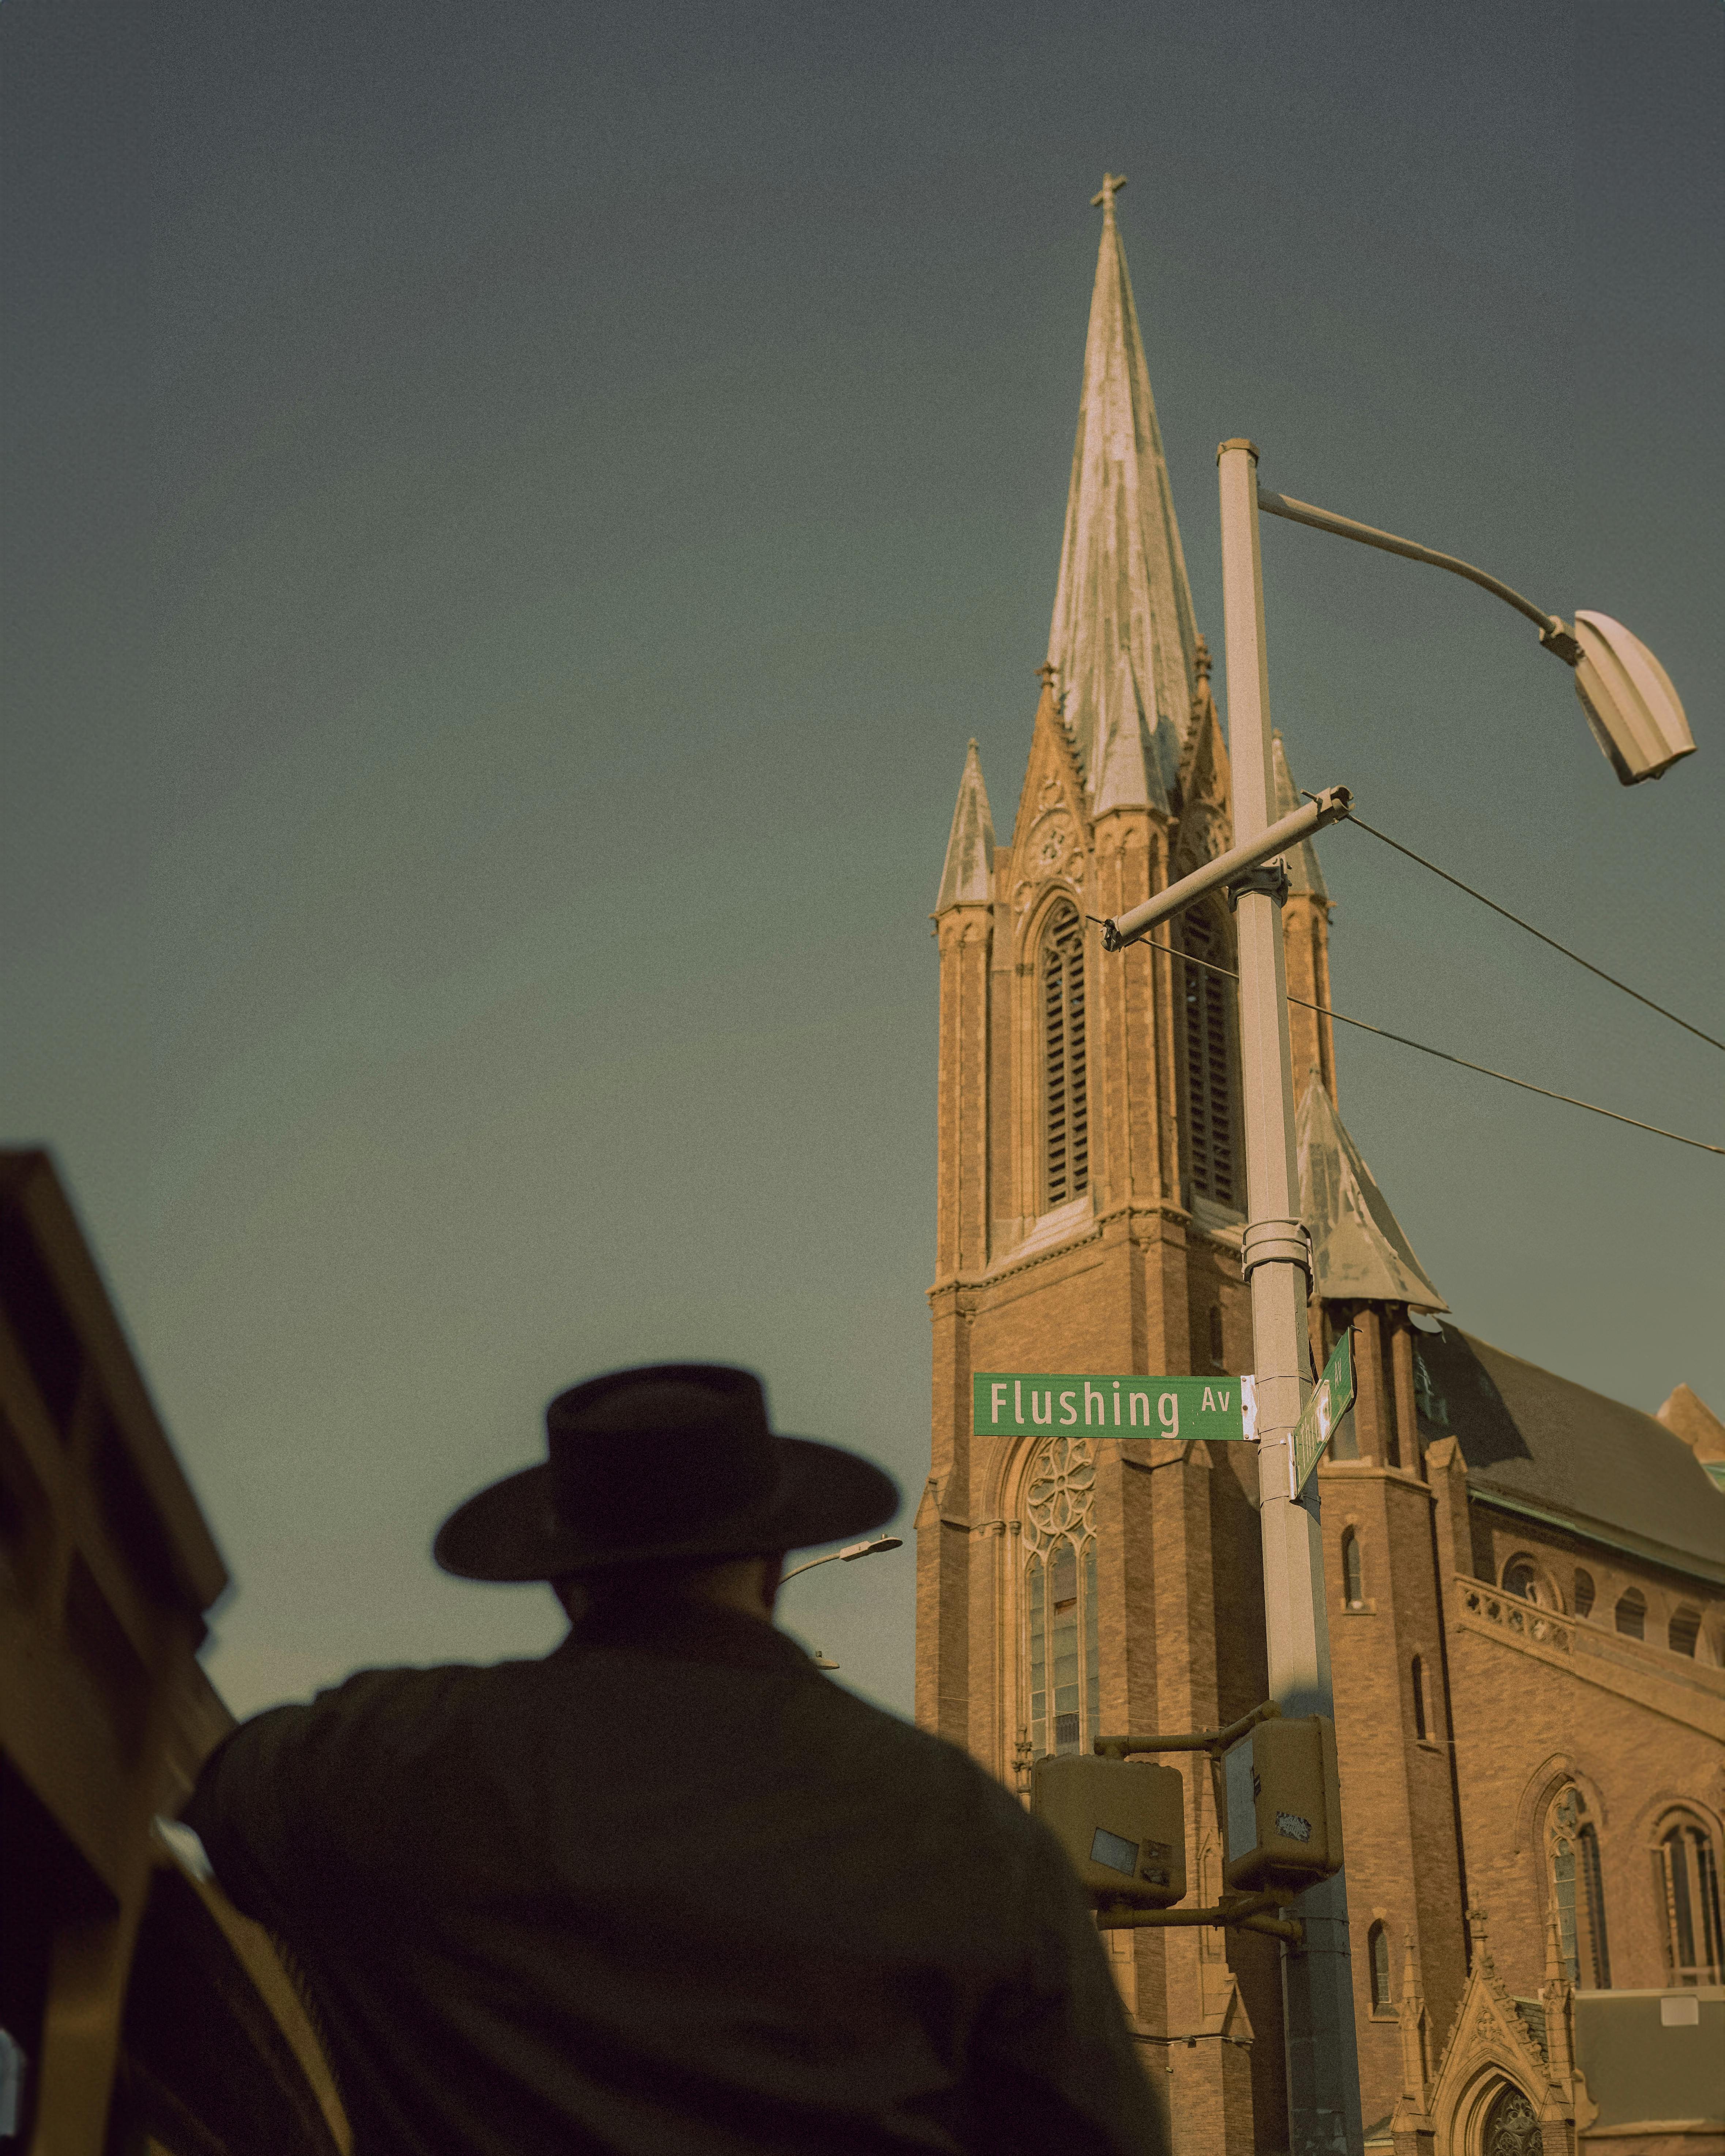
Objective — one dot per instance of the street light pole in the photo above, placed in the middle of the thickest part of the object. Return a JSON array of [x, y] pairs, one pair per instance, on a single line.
[[1317, 1984]]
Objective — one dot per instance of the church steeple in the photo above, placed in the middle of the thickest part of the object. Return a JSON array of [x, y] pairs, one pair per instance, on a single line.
[[1124, 640]]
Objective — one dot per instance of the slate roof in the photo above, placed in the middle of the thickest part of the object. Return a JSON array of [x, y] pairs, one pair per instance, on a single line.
[[1544, 1442]]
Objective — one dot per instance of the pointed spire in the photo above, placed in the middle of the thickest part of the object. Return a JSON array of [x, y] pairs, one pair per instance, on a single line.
[[1412, 2016], [1359, 1252], [1123, 637], [1556, 1994], [968, 877], [1304, 873], [1554, 1969], [1687, 1416]]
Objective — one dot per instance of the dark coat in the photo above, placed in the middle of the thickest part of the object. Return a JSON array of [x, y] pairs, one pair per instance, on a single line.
[[669, 1890]]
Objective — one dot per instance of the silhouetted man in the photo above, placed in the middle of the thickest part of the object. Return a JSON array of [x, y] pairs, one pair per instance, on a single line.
[[668, 1889]]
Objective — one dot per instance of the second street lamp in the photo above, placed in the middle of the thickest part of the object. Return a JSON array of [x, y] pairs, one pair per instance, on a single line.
[[876, 1546]]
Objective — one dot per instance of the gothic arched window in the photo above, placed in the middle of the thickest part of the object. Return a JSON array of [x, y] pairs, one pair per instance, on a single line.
[[1066, 1107], [1353, 1583], [1583, 1592], [1378, 1955], [1632, 1613], [1060, 1613], [1578, 1891], [1212, 1153], [1687, 1870], [1683, 1631]]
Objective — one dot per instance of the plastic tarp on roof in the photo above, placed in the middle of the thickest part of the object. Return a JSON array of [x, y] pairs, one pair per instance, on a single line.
[[1357, 1246]]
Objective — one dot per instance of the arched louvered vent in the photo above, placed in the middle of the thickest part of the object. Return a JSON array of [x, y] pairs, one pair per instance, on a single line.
[[1209, 1068], [1065, 1104]]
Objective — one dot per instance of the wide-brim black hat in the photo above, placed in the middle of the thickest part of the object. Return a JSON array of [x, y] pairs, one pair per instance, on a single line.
[[672, 1460]]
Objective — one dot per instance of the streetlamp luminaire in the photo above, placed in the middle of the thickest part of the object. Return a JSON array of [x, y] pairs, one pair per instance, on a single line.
[[1636, 716]]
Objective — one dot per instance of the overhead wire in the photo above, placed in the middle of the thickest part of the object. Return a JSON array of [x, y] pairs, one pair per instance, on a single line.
[[1443, 1055], [1575, 957]]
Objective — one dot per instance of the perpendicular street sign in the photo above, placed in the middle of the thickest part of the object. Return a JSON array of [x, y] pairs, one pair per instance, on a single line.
[[1043, 1403], [1330, 1400]]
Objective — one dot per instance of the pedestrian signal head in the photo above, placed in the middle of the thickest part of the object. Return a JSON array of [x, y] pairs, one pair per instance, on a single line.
[[1122, 1823], [1283, 1822]]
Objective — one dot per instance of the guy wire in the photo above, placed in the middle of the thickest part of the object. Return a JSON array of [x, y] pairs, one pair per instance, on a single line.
[[1598, 971], [1443, 1054]]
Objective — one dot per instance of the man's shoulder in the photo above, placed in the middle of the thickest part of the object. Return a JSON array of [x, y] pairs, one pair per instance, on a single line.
[[406, 1712]]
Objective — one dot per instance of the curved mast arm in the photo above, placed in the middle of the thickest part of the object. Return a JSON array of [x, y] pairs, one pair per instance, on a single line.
[[1553, 633]]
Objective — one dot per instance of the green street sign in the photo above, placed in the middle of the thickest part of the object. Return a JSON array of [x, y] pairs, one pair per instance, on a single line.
[[1045, 1403], [1330, 1401]]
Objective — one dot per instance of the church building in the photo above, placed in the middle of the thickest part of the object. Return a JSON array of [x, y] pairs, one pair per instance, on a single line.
[[1525, 1580]]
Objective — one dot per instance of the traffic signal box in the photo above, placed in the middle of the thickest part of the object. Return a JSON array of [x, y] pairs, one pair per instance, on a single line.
[[1283, 1805], [1122, 1824]]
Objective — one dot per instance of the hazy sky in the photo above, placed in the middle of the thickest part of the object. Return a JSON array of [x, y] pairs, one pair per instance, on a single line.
[[512, 513]]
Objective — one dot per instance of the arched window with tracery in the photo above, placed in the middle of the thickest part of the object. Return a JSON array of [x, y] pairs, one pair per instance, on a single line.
[[1066, 1103], [1213, 1151], [1062, 1669], [1687, 1874], [1577, 1888], [1511, 2125]]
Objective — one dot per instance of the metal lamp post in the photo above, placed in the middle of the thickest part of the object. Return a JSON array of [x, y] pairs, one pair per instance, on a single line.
[[1323, 2064], [1638, 723]]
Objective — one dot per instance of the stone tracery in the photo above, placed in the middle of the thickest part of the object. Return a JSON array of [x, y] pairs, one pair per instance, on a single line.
[[1059, 1492]]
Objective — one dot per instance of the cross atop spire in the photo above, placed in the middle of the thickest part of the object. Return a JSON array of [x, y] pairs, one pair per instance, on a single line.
[[1112, 182]]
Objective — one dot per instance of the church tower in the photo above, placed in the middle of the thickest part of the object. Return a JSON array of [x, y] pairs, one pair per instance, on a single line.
[[1091, 1196]]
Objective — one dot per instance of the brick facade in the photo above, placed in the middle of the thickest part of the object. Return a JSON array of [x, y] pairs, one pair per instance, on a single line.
[[1447, 1790]]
